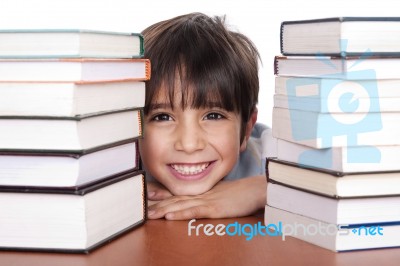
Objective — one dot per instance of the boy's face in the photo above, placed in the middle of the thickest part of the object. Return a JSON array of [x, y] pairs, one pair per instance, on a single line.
[[189, 150]]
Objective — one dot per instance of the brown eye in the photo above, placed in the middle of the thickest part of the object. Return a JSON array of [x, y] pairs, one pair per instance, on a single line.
[[214, 116], [161, 117]]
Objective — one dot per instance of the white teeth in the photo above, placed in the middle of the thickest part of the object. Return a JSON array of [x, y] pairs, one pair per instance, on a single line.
[[190, 170]]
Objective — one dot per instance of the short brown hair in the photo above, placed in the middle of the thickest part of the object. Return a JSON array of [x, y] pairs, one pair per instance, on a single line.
[[220, 64]]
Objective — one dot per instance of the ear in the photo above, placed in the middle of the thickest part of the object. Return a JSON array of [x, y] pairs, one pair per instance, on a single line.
[[249, 127]]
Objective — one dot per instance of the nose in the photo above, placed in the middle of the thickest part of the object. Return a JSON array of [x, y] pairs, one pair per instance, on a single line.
[[190, 137]]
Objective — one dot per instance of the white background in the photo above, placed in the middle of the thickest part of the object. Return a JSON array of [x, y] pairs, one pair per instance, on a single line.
[[258, 19]]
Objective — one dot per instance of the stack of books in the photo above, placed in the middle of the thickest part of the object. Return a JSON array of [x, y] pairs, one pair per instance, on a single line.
[[336, 179], [71, 105]]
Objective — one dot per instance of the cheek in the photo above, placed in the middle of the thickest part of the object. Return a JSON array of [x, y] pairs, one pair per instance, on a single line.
[[228, 136], [144, 151], [150, 147], [228, 144]]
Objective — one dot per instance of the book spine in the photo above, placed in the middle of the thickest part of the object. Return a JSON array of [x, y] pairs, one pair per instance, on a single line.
[[309, 21], [266, 169], [148, 69], [140, 120], [144, 195], [276, 67], [137, 157], [141, 38], [281, 37]]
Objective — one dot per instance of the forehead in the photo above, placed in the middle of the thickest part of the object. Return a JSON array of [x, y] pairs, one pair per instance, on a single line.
[[186, 97], [165, 95]]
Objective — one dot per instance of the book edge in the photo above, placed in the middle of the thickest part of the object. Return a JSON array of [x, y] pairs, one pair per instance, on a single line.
[[75, 118], [79, 190], [103, 241], [340, 19], [66, 153], [79, 251], [334, 173]]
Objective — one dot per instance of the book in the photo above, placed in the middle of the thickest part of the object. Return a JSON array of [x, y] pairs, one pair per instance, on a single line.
[[332, 183], [77, 219], [326, 130], [339, 158], [69, 43], [73, 70], [331, 67], [327, 95], [69, 98], [66, 169], [332, 104], [323, 88], [69, 133], [335, 211], [330, 236], [341, 36]]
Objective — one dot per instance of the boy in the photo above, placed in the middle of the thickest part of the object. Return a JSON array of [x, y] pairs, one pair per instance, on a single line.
[[200, 111]]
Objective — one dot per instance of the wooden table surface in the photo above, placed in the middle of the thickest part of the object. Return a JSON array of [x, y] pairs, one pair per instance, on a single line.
[[161, 242]]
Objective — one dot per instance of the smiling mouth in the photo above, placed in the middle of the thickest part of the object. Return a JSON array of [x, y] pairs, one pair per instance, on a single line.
[[192, 169]]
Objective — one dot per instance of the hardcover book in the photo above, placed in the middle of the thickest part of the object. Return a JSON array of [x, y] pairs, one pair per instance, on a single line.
[[338, 159], [335, 237], [336, 211], [341, 36], [331, 183], [322, 104], [323, 87], [331, 67], [73, 70], [65, 169], [326, 130], [68, 98], [69, 133], [69, 43], [77, 219]]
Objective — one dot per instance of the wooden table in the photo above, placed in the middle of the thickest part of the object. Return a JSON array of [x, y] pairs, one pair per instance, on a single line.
[[161, 242]]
